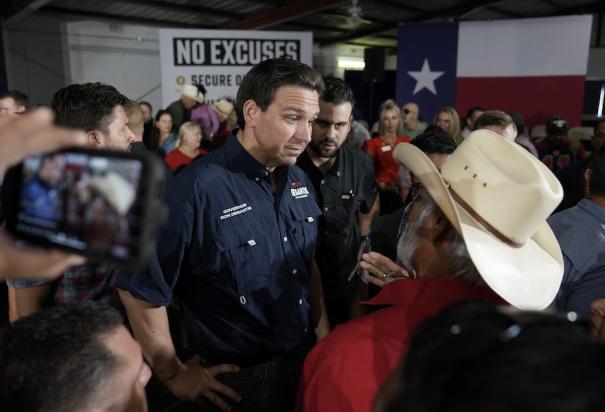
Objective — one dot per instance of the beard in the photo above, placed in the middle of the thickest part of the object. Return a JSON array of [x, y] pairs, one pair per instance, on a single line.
[[320, 150]]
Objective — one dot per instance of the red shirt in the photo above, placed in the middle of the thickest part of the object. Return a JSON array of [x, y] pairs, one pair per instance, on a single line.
[[177, 159], [344, 371], [385, 168]]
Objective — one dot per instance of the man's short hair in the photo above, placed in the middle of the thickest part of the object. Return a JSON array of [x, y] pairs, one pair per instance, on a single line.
[[475, 357], [86, 106], [474, 109], [519, 122], [20, 98], [261, 83], [55, 360], [434, 141], [337, 91], [597, 165], [136, 121], [494, 118]]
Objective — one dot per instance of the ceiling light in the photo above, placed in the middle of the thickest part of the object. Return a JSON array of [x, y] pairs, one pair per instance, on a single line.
[[350, 63]]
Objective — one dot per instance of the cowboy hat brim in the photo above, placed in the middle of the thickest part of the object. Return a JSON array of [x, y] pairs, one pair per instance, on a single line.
[[527, 277]]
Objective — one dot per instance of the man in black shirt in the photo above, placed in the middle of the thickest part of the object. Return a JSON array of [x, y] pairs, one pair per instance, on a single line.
[[343, 178]]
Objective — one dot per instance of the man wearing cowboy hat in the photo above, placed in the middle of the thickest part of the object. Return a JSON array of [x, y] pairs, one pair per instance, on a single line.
[[478, 231], [180, 110], [223, 109]]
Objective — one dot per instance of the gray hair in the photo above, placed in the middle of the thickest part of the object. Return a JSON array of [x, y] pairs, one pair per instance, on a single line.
[[458, 260]]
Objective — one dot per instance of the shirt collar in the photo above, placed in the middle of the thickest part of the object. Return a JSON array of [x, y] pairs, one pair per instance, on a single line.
[[306, 162], [592, 208], [244, 160], [408, 292]]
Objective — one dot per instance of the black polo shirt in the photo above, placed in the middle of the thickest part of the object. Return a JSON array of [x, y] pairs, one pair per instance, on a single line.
[[348, 188], [241, 253]]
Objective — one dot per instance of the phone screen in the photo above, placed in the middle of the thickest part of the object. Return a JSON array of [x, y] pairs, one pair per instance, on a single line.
[[82, 201]]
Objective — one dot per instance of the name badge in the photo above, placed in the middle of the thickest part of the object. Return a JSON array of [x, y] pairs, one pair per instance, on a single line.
[[386, 148]]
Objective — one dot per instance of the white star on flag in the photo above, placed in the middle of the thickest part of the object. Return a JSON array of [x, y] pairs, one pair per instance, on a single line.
[[425, 78]]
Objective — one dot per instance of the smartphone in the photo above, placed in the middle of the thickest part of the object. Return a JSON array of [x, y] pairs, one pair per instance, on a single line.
[[105, 205]]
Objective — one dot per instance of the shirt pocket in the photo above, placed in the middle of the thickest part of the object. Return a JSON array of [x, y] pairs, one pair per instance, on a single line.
[[304, 230], [247, 253], [339, 214]]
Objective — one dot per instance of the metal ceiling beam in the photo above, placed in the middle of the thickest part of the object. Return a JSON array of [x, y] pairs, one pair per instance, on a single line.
[[20, 8], [315, 27], [551, 3], [294, 9], [594, 7], [187, 8], [504, 12], [112, 17], [399, 5], [365, 18]]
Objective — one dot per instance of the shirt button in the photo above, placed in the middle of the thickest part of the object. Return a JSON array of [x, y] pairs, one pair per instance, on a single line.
[[294, 271], [323, 181], [300, 301], [338, 173], [285, 238], [325, 209], [257, 179], [242, 300]]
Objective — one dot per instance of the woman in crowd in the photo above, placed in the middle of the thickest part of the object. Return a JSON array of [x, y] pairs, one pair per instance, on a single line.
[[188, 146], [163, 138], [447, 119], [380, 149]]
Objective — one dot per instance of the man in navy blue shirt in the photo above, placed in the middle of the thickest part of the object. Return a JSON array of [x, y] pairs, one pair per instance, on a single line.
[[240, 246], [40, 195]]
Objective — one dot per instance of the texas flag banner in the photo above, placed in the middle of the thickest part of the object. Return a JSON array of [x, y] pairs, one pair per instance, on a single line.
[[533, 66]]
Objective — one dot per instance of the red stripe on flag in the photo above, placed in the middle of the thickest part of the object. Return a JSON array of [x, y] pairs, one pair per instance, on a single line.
[[536, 98]]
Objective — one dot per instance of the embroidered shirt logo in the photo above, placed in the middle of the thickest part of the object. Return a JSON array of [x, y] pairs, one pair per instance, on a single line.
[[235, 210], [300, 192]]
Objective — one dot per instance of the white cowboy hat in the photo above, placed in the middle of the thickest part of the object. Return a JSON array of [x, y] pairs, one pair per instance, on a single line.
[[190, 90], [223, 107], [498, 196], [118, 192]]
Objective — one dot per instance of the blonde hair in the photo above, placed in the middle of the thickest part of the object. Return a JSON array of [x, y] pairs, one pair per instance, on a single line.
[[136, 120], [390, 105], [185, 129], [454, 129]]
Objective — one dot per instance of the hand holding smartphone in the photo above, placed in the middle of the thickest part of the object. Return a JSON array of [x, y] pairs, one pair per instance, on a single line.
[[102, 204]]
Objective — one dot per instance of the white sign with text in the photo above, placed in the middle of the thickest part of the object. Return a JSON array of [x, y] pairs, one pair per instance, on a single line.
[[219, 59]]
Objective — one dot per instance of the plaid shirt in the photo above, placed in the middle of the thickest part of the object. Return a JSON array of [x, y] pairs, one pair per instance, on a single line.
[[86, 282]]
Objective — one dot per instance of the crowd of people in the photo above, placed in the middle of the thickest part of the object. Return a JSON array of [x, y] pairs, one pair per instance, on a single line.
[[311, 263]]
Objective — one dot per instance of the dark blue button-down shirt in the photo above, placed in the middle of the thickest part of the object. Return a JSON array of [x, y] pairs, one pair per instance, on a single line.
[[580, 231], [240, 252]]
